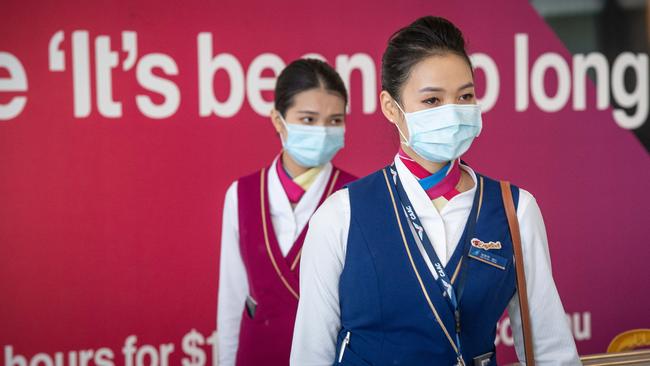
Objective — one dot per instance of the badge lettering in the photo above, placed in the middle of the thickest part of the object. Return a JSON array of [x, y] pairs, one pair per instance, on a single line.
[[487, 246]]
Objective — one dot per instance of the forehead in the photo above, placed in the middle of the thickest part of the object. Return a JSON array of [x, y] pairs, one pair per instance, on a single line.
[[448, 71], [319, 99]]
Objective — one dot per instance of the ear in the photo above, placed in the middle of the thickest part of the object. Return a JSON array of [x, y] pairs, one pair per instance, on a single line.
[[277, 121], [393, 114], [388, 107]]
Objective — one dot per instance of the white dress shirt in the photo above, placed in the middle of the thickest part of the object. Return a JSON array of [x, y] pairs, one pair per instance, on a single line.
[[323, 257], [287, 223]]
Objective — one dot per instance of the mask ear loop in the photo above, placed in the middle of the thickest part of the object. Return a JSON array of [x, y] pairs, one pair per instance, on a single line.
[[405, 142], [286, 128]]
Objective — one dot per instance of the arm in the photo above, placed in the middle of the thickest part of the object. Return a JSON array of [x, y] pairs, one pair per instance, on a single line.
[[552, 338], [233, 282], [323, 255]]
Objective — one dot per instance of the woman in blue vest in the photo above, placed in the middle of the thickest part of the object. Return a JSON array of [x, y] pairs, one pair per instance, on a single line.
[[413, 265]]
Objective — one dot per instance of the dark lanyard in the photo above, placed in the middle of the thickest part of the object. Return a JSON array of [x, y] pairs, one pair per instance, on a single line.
[[452, 295]]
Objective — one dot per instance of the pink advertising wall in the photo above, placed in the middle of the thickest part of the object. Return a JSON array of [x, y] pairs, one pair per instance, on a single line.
[[122, 124]]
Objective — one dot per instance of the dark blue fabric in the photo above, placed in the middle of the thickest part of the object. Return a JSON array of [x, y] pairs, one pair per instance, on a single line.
[[382, 302]]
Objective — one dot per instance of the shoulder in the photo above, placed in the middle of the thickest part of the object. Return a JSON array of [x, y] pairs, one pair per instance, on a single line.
[[251, 177], [249, 184], [344, 176], [231, 201], [244, 183], [529, 214], [328, 230], [369, 180], [335, 206], [232, 189], [523, 198], [526, 200], [332, 218]]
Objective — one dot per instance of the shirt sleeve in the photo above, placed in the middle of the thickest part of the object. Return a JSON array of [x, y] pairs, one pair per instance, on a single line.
[[553, 342], [323, 256], [233, 282]]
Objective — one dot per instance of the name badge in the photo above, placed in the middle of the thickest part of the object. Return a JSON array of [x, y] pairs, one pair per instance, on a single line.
[[488, 258]]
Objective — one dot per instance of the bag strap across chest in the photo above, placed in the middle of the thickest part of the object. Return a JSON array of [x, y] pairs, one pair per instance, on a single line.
[[513, 223]]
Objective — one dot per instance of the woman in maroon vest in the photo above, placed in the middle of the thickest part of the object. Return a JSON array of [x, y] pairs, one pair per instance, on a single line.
[[266, 213]]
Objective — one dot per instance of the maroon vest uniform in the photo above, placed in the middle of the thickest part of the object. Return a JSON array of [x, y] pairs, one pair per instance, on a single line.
[[265, 338]]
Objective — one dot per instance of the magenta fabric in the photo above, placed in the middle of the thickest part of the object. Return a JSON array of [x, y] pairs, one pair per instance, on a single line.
[[292, 189], [265, 339]]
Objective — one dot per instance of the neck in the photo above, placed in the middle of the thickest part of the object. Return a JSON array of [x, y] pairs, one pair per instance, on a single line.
[[430, 166], [291, 166]]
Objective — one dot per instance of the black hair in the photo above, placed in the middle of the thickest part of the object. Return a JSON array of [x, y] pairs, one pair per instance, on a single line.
[[427, 36], [305, 74]]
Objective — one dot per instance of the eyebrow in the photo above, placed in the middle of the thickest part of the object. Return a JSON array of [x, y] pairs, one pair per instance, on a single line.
[[312, 113], [437, 89]]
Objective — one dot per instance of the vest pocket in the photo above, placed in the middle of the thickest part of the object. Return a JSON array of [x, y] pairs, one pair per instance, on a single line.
[[344, 346], [251, 306], [346, 355], [486, 359]]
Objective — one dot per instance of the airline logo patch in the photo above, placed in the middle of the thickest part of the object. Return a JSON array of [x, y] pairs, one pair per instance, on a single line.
[[478, 243]]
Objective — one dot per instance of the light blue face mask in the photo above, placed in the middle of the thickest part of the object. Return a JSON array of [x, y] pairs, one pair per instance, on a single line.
[[442, 133], [312, 146]]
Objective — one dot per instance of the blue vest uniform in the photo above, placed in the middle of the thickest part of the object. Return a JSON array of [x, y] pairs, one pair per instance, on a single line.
[[385, 315]]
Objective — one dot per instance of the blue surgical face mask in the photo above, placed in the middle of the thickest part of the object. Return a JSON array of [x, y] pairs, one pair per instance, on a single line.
[[442, 133], [312, 146]]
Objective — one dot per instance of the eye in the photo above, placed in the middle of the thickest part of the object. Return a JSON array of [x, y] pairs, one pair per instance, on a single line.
[[469, 97], [431, 101], [337, 121], [307, 120]]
